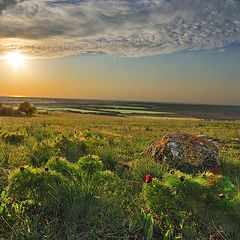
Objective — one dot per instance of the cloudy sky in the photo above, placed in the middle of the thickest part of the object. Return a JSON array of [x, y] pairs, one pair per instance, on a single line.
[[159, 50]]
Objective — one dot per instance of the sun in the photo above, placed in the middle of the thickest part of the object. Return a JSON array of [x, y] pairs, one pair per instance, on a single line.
[[16, 59]]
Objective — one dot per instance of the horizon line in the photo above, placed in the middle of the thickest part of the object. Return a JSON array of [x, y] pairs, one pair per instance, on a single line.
[[125, 100]]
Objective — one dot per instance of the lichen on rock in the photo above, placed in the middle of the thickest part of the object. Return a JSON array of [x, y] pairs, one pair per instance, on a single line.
[[181, 149]]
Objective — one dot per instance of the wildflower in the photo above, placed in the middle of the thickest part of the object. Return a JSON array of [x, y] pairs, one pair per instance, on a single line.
[[148, 178]]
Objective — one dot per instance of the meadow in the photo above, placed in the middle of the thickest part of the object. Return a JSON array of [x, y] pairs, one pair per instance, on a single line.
[[78, 176]]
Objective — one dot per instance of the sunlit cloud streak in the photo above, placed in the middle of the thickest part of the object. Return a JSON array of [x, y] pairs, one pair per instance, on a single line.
[[53, 28]]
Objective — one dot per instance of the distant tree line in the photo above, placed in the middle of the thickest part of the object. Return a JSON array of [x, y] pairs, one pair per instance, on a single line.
[[24, 108]]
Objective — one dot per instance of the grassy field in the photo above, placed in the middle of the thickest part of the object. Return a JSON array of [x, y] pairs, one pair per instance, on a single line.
[[77, 176]]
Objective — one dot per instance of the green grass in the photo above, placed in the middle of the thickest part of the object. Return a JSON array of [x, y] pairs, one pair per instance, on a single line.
[[77, 176]]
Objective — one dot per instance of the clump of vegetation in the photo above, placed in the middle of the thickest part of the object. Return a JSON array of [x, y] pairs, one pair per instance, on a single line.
[[27, 108], [185, 205], [63, 166], [90, 164], [41, 153], [71, 147], [8, 111], [12, 137], [58, 190]]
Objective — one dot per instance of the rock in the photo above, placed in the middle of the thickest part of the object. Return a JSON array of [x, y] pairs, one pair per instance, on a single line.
[[185, 149]]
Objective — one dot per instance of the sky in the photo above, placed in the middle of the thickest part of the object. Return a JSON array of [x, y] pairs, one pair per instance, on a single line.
[[148, 50]]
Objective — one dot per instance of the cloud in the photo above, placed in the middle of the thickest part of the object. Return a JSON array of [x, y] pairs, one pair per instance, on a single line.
[[4, 4], [51, 28]]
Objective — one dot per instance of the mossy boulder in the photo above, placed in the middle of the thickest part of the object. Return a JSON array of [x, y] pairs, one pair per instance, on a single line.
[[183, 149]]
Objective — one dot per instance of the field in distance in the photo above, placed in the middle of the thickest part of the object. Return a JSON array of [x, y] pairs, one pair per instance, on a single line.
[[129, 108]]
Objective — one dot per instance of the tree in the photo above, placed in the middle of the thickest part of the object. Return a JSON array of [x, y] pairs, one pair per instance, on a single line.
[[27, 108]]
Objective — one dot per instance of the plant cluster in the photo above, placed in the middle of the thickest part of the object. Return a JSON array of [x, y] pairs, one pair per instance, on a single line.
[[183, 205], [12, 137], [59, 182], [9, 111], [24, 108]]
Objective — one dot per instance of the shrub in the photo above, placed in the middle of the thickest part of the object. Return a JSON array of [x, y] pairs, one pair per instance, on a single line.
[[61, 165], [9, 111], [59, 191], [27, 108], [49, 192], [108, 156], [39, 187], [42, 153], [93, 140], [71, 147], [91, 164], [12, 137], [183, 207]]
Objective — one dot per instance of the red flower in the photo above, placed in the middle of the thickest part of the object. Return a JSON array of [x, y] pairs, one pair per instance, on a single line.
[[148, 178]]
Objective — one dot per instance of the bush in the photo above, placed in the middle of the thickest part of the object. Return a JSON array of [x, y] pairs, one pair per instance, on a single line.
[[109, 157], [12, 137], [51, 192], [38, 187], [42, 153], [27, 108], [61, 165], [183, 207], [9, 111], [91, 164], [59, 195], [71, 147]]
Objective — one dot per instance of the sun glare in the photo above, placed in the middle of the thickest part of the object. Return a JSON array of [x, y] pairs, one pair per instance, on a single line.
[[16, 59]]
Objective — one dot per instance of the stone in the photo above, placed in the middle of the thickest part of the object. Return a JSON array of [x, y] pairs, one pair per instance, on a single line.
[[181, 149]]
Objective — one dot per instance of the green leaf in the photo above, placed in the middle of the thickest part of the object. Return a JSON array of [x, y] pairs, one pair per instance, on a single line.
[[2, 207], [167, 235], [150, 232], [3, 194], [94, 233], [148, 229]]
